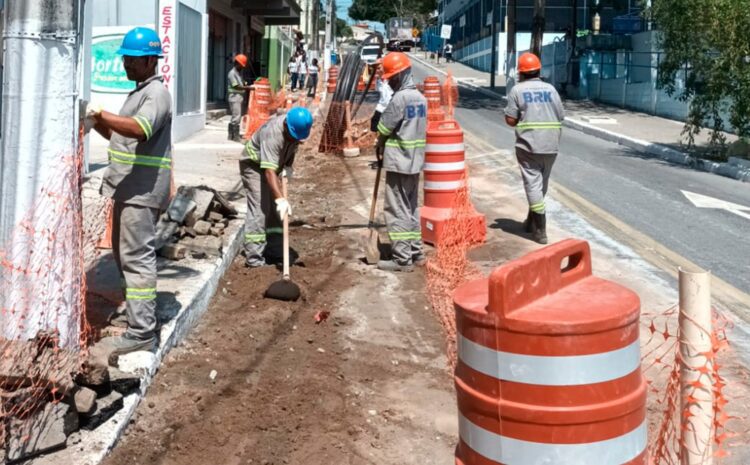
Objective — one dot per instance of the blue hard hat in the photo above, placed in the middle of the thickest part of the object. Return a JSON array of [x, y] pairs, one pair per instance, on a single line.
[[299, 121], [140, 42]]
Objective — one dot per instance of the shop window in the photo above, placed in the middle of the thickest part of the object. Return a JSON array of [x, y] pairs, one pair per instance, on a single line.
[[189, 74]]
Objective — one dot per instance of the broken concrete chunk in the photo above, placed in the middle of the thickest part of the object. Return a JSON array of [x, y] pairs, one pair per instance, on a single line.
[[165, 229], [84, 400], [123, 382], [106, 407], [45, 431], [215, 217], [173, 251], [204, 245], [202, 199], [202, 228], [94, 373], [216, 231], [182, 205]]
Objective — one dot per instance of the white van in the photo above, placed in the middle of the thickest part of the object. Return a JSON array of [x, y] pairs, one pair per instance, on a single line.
[[370, 53]]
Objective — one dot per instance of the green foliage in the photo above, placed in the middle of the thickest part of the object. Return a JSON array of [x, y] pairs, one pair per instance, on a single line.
[[711, 40], [382, 10]]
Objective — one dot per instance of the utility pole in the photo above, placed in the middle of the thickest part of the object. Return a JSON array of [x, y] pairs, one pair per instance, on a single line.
[[510, 48], [40, 174], [327, 46], [537, 27], [493, 31]]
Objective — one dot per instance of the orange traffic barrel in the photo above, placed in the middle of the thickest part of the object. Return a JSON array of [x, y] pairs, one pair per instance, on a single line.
[[444, 177], [432, 91], [333, 74], [549, 365]]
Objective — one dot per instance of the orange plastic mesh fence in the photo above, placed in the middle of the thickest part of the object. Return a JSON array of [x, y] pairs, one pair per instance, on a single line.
[[449, 267], [45, 330], [449, 95], [661, 364], [340, 130]]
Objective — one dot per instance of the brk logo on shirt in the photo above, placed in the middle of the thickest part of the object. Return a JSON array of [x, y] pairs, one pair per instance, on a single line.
[[413, 111], [537, 97]]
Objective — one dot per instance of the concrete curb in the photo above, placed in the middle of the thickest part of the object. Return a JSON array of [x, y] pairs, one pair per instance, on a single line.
[[728, 169]]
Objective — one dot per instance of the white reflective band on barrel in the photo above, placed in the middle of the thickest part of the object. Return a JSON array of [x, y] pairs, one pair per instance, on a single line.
[[444, 148], [510, 451], [452, 166], [442, 185], [571, 370]]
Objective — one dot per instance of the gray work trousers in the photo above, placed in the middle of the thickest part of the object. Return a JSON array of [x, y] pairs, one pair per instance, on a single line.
[[535, 171], [262, 224], [133, 247], [402, 216], [235, 106]]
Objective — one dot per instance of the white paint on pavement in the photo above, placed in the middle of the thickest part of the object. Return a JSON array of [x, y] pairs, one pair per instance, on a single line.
[[704, 201]]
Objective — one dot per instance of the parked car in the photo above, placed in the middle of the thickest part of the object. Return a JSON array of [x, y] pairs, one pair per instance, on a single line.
[[393, 46]]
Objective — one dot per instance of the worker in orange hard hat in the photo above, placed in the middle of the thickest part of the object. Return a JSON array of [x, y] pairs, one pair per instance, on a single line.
[[401, 152], [536, 111], [236, 88]]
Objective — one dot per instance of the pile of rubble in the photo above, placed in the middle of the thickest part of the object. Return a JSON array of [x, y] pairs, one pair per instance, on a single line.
[[194, 224], [48, 395]]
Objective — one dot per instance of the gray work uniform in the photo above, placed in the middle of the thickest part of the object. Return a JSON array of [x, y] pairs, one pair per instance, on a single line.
[[268, 149], [539, 111], [138, 180], [236, 95], [404, 122]]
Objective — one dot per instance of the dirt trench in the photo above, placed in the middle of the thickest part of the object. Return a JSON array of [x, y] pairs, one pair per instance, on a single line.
[[261, 382]]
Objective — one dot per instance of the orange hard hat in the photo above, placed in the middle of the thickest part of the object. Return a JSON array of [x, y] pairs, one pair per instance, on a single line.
[[241, 59], [529, 62], [394, 63]]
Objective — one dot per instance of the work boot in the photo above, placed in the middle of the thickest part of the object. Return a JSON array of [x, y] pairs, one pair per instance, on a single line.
[[419, 260], [529, 225], [540, 227], [392, 265], [230, 131], [113, 347]]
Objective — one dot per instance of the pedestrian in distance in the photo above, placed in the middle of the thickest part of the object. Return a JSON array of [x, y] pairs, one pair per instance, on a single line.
[[138, 181], [268, 155], [448, 52], [293, 68], [536, 111], [400, 150], [312, 77], [236, 88], [302, 71]]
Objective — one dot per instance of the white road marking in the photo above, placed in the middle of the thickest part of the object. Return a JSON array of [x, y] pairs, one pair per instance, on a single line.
[[704, 201]]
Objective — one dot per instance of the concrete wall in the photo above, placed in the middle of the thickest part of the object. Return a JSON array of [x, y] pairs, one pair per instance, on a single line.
[[277, 49]]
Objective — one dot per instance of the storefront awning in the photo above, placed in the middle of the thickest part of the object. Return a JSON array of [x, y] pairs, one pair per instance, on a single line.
[[273, 12]]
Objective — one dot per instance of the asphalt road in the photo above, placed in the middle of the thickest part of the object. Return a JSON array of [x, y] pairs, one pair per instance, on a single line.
[[643, 192]]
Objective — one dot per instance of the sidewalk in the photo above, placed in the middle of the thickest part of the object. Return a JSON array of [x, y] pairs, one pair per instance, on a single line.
[[660, 137]]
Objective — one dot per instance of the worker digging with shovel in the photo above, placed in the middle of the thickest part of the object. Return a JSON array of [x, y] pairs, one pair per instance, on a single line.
[[400, 150], [265, 169]]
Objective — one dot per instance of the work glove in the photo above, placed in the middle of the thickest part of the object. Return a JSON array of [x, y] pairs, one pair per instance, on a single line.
[[93, 110], [287, 172], [283, 208]]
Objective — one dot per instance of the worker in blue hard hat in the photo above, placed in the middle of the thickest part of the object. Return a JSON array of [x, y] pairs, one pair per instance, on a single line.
[[269, 155], [138, 181]]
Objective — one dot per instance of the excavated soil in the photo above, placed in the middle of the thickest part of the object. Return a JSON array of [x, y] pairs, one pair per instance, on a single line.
[[260, 381]]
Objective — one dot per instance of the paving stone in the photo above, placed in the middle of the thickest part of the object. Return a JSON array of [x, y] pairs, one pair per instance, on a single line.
[[215, 217], [216, 231], [45, 431], [173, 251], [123, 382], [106, 407], [204, 245], [202, 228], [84, 400]]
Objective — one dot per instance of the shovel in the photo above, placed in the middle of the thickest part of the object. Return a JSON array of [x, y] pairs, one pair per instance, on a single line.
[[284, 289], [372, 249]]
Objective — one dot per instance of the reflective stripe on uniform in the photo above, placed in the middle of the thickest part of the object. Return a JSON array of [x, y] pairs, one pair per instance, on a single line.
[[405, 236], [569, 370], [537, 207], [135, 293], [405, 144], [255, 238], [274, 230], [451, 166], [384, 130], [145, 125], [444, 148], [251, 153], [503, 449], [268, 165], [539, 125], [140, 160]]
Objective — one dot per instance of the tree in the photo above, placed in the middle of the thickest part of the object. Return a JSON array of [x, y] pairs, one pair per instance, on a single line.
[[706, 45], [382, 10]]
